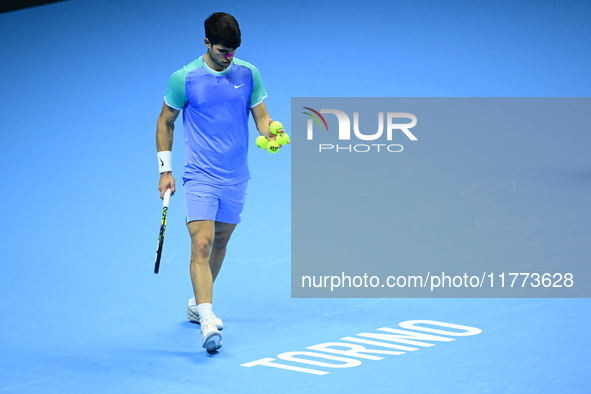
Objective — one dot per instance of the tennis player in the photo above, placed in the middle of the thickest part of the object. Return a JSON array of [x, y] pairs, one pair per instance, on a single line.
[[215, 93]]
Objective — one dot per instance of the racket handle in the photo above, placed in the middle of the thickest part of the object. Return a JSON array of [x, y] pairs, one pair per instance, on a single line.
[[166, 199]]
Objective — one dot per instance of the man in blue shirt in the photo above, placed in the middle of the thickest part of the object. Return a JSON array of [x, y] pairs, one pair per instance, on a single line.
[[215, 93]]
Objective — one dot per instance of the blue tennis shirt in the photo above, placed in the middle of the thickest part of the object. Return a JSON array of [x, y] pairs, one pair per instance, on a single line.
[[216, 106]]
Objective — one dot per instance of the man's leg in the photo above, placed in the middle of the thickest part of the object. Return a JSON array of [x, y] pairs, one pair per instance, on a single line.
[[202, 238], [209, 240], [208, 249], [223, 232], [227, 218], [206, 260]]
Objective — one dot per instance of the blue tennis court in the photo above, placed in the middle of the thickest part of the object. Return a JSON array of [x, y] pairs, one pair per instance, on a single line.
[[82, 85]]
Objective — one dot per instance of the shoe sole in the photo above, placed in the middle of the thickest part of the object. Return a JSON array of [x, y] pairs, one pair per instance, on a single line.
[[213, 343]]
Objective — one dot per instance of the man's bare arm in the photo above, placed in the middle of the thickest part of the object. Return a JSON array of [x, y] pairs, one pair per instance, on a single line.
[[262, 120], [164, 138], [165, 128]]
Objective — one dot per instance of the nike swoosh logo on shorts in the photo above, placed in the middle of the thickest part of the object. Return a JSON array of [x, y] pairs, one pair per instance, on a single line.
[[236, 87]]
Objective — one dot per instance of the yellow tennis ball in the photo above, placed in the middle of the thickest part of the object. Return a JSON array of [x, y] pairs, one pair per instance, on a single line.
[[262, 141], [282, 138], [273, 147], [275, 126]]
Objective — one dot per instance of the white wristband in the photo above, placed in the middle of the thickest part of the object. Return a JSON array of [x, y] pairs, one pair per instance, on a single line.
[[165, 161]]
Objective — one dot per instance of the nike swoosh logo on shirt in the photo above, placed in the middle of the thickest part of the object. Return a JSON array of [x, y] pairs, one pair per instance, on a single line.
[[236, 87]]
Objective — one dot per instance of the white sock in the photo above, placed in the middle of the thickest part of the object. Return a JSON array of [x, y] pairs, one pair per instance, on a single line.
[[204, 310]]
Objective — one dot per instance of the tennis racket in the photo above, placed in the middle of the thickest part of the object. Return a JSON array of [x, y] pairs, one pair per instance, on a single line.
[[165, 202]]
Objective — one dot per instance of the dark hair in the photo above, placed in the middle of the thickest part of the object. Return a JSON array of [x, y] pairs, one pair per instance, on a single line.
[[222, 28]]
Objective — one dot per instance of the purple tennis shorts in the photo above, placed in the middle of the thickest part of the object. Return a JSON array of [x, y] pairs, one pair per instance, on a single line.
[[222, 203]]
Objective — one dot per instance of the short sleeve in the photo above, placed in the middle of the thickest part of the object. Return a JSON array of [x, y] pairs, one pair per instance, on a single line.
[[258, 89], [175, 96]]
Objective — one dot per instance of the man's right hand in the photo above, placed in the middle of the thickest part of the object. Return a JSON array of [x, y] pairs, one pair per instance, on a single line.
[[166, 182]]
